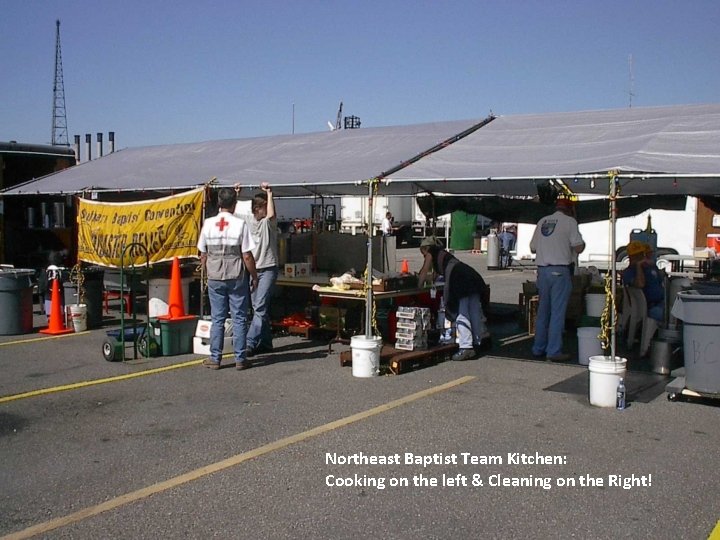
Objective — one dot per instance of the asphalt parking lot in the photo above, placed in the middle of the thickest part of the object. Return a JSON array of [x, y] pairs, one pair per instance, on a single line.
[[297, 447]]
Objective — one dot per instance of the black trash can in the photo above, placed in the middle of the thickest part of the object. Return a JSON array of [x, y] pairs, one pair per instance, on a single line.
[[16, 301]]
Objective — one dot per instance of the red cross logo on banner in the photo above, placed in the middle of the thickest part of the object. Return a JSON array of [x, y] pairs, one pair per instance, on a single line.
[[222, 224]]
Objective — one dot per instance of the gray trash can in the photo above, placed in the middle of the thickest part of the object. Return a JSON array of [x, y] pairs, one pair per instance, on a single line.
[[16, 301], [700, 314]]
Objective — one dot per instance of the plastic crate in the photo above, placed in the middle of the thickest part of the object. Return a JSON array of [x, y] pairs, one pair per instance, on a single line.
[[176, 335]]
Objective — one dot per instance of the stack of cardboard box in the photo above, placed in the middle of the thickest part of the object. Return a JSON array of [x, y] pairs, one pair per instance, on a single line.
[[412, 326]]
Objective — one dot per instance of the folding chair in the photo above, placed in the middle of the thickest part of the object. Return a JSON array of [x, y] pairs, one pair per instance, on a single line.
[[638, 317]]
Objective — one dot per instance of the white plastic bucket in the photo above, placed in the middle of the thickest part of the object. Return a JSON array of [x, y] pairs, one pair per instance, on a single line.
[[588, 344], [365, 355], [605, 374], [78, 316], [594, 304]]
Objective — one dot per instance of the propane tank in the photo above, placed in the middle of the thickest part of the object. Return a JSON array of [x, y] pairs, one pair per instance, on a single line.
[[493, 250]]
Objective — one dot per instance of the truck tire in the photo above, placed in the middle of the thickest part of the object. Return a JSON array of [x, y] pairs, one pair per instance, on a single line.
[[663, 263], [621, 256]]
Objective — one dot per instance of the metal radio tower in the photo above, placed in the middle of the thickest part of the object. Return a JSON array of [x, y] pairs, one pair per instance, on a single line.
[[59, 118]]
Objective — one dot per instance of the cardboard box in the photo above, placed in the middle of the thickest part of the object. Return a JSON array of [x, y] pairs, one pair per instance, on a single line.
[[532, 306], [410, 334], [297, 269], [412, 312], [702, 253], [411, 344], [408, 324], [202, 330], [202, 345], [331, 318]]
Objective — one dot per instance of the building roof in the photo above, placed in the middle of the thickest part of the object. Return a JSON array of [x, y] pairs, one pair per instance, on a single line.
[[13, 147]]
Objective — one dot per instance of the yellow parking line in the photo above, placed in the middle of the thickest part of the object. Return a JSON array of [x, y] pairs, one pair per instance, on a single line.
[[44, 338], [135, 496], [83, 384], [715, 534]]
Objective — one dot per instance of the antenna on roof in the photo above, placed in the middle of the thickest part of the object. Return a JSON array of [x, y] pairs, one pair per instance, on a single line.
[[59, 117], [631, 93]]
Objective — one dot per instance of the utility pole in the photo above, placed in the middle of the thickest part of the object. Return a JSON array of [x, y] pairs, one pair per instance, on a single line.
[[59, 117], [631, 93]]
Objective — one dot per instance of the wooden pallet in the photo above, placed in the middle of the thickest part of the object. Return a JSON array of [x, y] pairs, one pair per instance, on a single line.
[[398, 361], [404, 361]]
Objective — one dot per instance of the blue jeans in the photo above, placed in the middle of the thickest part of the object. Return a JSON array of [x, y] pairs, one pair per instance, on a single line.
[[470, 322], [260, 332], [232, 295], [554, 287]]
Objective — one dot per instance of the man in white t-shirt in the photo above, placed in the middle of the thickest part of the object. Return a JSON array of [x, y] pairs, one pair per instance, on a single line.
[[225, 247], [264, 232], [556, 243], [387, 224]]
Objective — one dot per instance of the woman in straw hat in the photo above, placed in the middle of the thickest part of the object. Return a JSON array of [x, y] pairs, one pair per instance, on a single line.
[[463, 293], [644, 274]]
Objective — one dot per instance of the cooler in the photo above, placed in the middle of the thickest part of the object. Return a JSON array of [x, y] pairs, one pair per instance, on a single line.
[[713, 241], [648, 237]]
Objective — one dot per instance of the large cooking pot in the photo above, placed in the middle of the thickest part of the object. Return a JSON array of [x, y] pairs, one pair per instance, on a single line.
[[664, 356]]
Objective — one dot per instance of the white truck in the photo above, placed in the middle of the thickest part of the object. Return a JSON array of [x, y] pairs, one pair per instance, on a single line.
[[354, 213], [675, 235]]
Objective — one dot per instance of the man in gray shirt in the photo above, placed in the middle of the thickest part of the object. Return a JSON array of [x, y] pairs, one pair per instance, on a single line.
[[263, 230]]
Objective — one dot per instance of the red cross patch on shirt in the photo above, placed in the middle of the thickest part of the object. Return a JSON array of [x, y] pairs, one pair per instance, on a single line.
[[222, 224]]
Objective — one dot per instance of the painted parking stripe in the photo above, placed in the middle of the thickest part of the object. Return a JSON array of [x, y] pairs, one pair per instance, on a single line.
[[83, 384], [190, 476], [715, 534], [44, 338]]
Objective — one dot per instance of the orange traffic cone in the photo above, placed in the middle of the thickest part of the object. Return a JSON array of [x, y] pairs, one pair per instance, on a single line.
[[57, 323], [176, 304], [404, 267]]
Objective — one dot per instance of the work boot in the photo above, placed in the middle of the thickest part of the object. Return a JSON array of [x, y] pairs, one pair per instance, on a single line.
[[464, 354], [561, 357]]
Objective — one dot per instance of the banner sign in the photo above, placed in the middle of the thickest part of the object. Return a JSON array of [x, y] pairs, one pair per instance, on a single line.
[[168, 227]]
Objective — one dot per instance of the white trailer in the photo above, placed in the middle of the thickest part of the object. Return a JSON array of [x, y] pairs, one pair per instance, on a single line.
[[675, 235], [354, 213]]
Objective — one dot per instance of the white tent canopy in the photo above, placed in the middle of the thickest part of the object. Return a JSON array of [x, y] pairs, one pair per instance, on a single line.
[[659, 150], [324, 163]]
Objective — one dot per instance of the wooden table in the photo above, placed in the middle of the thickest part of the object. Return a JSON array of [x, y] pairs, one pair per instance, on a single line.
[[303, 281], [688, 266], [354, 296]]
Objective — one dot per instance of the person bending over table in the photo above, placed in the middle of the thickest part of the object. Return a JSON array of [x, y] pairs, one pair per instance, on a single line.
[[462, 294]]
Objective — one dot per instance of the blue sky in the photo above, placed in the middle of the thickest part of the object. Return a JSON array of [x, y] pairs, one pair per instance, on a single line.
[[161, 72]]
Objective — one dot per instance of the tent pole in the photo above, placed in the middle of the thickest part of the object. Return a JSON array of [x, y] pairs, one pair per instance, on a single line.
[[613, 266], [368, 277]]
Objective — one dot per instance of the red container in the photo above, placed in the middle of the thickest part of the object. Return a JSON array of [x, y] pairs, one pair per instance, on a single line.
[[713, 241]]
